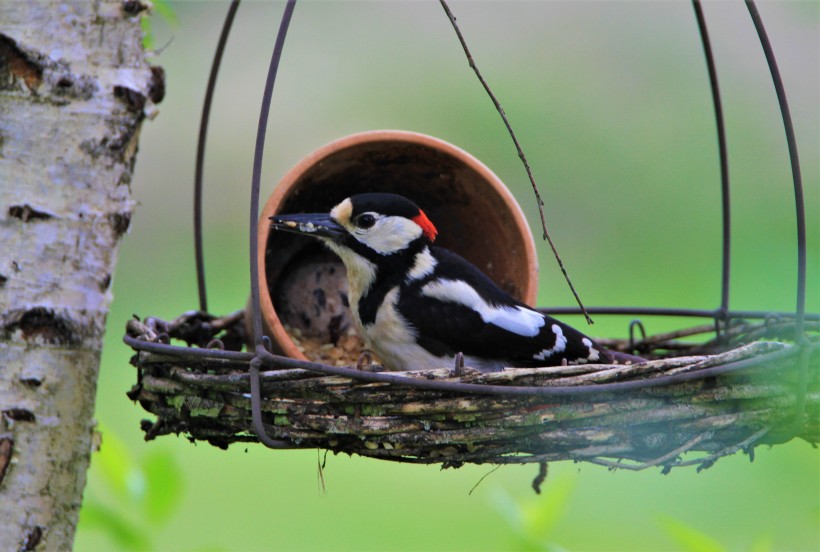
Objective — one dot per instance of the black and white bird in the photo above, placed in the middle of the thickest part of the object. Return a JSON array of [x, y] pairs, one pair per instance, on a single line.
[[417, 305]]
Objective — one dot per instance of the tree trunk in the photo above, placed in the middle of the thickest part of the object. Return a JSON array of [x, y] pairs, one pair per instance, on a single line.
[[74, 89]]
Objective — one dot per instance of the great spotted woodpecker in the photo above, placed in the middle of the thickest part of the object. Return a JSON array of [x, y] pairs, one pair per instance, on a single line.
[[418, 305]]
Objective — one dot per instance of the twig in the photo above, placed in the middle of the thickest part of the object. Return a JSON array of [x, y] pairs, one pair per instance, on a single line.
[[539, 479], [657, 461], [521, 155], [320, 467], [483, 477], [708, 461]]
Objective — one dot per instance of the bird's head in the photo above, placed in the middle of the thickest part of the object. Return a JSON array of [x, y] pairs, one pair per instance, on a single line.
[[371, 225]]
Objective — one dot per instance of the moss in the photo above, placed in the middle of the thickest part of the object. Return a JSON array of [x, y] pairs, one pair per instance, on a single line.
[[199, 407]]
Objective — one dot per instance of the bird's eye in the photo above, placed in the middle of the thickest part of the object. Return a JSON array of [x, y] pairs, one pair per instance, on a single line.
[[365, 221]]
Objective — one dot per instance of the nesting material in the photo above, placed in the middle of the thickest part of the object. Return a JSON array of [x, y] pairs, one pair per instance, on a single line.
[[345, 352]]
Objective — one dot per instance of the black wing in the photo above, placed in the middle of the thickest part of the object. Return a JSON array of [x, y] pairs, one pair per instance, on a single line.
[[448, 327]]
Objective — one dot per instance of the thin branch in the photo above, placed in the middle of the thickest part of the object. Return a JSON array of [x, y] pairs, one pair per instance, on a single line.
[[707, 461], [657, 461], [521, 155], [483, 477], [320, 472]]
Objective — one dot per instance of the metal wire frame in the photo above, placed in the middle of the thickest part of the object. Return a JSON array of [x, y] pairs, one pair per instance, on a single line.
[[791, 142], [200, 154], [262, 357], [723, 311]]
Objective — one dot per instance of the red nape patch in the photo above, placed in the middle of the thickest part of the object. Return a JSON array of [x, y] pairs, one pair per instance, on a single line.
[[426, 226]]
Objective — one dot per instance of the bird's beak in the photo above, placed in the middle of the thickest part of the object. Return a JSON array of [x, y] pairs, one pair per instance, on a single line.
[[317, 225]]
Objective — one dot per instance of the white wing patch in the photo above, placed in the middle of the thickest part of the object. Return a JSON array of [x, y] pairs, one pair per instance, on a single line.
[[517, 320], [560, 344], [593, 352], [423, 265]]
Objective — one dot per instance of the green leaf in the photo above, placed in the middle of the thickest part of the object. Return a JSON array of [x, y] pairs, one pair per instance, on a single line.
[[147, 33], [533, 520], [542, 515], [509, 510], [123, 533], [163, 10], [164, 485], [689, 538], [117, 466]]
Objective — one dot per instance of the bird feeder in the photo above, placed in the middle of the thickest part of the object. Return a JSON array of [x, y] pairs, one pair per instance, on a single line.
[[752, 378]]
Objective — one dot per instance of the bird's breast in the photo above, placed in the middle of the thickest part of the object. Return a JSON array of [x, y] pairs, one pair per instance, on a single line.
[[393, 338], [390, 326]]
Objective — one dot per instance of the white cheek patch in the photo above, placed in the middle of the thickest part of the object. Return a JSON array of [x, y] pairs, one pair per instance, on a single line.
[[516, 320], [560, 344], [423, 265], [389, 234], [593, 352]]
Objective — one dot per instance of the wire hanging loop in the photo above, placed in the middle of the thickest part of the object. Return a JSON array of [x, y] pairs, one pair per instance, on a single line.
[[521, 155], [261, 350], [200, 154], [800, 336], [791, 142], [720, 127]]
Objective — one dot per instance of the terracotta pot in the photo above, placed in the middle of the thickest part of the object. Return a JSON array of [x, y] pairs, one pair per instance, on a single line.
[[474, 212]]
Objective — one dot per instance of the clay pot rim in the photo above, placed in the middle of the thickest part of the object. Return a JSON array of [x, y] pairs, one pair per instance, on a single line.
[[279, 335]]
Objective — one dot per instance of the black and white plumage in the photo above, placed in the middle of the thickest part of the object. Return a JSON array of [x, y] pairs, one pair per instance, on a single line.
[[417, 305]]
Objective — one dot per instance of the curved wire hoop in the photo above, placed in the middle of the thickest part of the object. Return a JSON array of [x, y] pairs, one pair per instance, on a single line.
[[200, 154]]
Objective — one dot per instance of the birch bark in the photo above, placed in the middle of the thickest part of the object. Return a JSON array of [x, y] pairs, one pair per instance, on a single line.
[[74, 89]]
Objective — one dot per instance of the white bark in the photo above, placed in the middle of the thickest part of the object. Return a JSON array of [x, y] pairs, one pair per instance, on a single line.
[[74, 89]]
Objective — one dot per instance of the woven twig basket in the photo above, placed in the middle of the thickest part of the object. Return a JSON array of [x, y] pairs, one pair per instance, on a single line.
[[647, 413]]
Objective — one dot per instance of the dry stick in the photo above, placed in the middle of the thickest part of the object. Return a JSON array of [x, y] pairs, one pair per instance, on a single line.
[[483, 477], [520, 155], [656, 462], [321, 472], [726, 451]]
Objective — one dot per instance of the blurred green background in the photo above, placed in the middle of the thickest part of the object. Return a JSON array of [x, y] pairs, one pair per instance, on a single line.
[[611, 103]]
